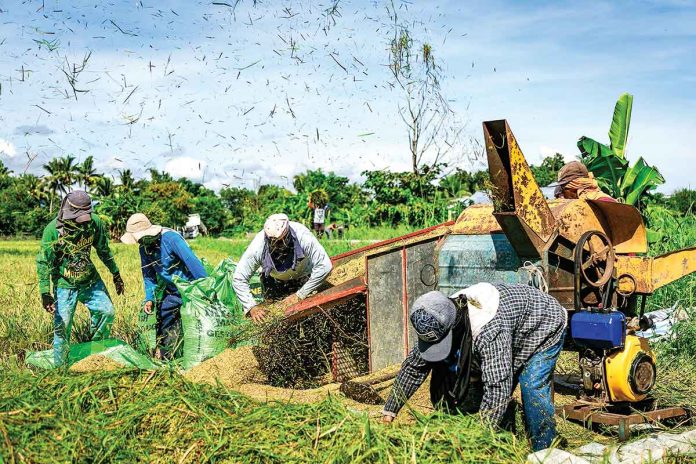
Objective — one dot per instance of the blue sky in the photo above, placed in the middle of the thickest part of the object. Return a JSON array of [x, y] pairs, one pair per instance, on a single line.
[[252, 95]]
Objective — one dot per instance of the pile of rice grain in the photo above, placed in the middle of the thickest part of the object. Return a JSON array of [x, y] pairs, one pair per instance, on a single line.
[[230, 368], [96, 362]]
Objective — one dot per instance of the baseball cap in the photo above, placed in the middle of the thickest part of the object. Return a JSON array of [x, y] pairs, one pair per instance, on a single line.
[[77, 206], [433, 316]]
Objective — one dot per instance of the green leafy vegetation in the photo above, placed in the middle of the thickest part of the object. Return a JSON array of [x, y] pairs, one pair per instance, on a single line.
[[609, 164]]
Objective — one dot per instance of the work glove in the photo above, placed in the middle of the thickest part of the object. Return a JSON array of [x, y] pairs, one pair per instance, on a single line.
[[48, 302], [118, 283]]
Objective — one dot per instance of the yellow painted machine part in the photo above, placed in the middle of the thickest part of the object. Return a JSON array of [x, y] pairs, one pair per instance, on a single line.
[[671, 266], [652, 273], [530, 204], [618, 369]]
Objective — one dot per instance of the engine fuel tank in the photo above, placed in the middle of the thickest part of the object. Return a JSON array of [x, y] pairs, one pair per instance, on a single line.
[[598, 330]]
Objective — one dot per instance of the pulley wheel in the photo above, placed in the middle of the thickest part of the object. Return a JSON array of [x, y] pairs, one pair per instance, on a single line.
[[594, 258]]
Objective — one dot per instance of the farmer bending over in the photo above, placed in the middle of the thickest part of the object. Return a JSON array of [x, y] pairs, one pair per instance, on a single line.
[[291, 260], [64, 260], [163, 254], [575, 181], [513, 333]]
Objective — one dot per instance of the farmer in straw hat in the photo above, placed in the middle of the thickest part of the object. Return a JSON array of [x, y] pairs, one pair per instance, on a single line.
[[501, 335], [163, 254], [291, 260], [575, 181], [64, 260]]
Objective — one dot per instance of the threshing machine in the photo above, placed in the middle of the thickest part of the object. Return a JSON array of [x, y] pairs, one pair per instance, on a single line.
[[590, 255]]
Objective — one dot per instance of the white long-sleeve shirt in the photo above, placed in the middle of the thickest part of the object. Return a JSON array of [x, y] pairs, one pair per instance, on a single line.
[[316, 264]]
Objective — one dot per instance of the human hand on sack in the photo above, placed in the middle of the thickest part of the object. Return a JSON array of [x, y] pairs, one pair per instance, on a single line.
[[48, 303], [147, 307], [258, 314], [118, 283], [387, 419]]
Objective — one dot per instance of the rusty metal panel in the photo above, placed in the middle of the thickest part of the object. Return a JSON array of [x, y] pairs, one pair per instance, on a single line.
[[352, 264], [421, 277], [476, 220], [530, 204], [624, 226], [634, 274], [386, 316], [519, 205]]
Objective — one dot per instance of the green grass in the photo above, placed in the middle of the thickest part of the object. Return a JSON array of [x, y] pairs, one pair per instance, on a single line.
[[131, 416], [25, 326]]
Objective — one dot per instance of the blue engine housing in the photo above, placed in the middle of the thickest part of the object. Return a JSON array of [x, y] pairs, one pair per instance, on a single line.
[[598, 330]]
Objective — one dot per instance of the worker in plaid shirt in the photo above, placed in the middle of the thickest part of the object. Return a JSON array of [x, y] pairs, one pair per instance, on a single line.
[[513, 334]]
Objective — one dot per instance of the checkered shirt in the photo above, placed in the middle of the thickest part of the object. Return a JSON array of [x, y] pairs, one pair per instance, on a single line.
[[528, 321]]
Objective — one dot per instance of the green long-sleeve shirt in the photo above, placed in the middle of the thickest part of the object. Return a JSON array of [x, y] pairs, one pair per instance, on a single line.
[[66, 260]]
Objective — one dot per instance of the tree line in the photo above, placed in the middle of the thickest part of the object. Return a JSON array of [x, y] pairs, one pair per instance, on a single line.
[[28, 202]]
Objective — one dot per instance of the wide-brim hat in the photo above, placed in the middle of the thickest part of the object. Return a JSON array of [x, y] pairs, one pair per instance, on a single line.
[[137, 227], [77, 206]]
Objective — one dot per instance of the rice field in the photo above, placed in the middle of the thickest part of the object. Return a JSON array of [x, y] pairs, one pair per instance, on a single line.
[[128, 416]]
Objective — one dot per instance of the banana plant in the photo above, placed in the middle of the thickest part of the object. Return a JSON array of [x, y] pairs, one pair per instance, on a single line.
[[609, 164]]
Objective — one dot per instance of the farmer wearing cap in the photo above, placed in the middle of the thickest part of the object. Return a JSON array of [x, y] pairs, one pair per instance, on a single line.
[[291, 260], [163, 254], [506, 334], [64, 261], [575, 181]]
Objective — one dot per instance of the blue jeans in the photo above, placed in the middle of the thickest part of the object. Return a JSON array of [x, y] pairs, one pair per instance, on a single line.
[[169, 325], [101, 310], [535, 384]]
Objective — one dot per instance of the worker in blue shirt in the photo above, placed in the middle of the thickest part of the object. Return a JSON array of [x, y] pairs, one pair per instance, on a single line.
[[163, 254]]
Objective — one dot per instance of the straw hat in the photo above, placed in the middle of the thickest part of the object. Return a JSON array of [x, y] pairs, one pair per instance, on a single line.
[[137, 227]]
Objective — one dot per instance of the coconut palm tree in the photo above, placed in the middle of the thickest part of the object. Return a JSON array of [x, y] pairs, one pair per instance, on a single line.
[[85, 173], [61, 175], [126, 179], [37, 188], [3, 170], [103, 186]]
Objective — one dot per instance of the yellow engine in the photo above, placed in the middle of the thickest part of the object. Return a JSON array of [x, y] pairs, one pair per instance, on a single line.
[[630, 373]]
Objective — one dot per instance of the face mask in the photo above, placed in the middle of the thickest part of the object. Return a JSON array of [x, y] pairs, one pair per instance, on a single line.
[[148, 240], [72, 226]]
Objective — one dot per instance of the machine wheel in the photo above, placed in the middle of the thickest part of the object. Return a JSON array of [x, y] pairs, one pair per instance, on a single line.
[[594, 258]]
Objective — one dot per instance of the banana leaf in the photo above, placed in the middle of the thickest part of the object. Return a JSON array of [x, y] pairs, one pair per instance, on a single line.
[[620, 122], [639, 178], [607, 167]]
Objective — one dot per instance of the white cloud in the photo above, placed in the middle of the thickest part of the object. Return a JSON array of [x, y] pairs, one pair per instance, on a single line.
[[7, 148], [185, 166]]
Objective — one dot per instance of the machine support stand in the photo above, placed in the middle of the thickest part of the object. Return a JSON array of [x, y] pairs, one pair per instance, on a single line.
[[621, 415]]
